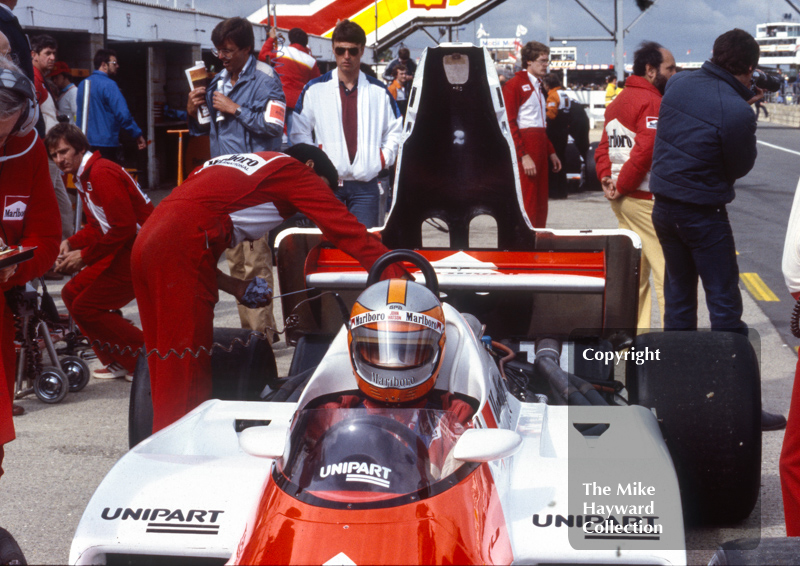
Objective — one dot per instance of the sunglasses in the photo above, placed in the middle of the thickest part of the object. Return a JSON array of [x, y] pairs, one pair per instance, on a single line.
[[223, 53], [353, 51]]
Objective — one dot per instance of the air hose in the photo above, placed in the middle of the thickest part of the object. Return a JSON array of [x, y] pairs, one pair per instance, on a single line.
[[569, 388]]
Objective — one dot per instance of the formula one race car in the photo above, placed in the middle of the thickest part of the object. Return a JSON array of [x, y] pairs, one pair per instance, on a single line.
[[552, 459]]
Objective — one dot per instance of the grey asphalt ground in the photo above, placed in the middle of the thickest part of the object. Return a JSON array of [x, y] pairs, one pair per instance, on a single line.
[[63, 451]]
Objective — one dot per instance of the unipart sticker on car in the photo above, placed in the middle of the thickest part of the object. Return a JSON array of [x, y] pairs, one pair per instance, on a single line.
[[169, 521], [358, 472]]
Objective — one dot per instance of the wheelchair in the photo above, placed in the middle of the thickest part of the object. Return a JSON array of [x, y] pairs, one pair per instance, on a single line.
[[38, 327]]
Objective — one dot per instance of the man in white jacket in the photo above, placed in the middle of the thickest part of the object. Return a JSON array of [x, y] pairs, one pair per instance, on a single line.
[[355, 120]]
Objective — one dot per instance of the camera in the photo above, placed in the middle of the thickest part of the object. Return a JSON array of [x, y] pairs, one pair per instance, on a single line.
[[766, 81]]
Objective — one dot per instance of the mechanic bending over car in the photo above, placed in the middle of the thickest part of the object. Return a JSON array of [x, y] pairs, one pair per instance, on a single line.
[[396, 359], [100, 252], [229, 199], [30, 216]]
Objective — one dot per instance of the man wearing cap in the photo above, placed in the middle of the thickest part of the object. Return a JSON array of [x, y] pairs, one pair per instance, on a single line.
[[230, 199], [68, 99]]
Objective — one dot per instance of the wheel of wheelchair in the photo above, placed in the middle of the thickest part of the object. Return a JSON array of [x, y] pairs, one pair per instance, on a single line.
[[394, 256], [77, 372], [706, 392], [10, 552], [51, 385]]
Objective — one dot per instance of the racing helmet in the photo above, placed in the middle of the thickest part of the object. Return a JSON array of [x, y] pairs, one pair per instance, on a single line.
[[396, 341]]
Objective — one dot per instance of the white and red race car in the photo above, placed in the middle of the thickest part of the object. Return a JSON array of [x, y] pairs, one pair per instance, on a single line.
[[556, 463]]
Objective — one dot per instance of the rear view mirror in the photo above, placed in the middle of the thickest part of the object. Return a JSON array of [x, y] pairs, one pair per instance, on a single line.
[[264, 441]]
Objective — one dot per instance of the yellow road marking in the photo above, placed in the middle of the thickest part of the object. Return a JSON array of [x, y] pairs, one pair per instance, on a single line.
[[757, 287]]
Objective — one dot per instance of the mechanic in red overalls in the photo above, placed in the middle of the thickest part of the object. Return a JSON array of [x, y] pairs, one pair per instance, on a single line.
[[526, 108], [790, 450], [30, 216], [229, 199], [115, 209]]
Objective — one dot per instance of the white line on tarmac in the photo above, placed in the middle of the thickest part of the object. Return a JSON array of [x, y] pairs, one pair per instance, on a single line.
[[779, 147]]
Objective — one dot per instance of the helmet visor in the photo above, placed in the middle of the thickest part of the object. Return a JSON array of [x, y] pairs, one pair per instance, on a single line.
[[395, 345]]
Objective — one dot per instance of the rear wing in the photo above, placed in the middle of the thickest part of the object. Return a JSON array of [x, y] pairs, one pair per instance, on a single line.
[[457, 162]]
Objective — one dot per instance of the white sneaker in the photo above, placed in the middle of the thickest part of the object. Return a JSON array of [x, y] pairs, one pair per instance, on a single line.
[[113, 371], [129, 377]]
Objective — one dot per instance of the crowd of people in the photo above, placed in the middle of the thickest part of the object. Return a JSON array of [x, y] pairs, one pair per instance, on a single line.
[[286, 139]]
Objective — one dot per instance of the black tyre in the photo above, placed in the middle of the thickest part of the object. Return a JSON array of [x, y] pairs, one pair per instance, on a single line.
[[239, 375], [591, 182], [140, 410], [51, 385], [10, 552], [77, 372], [706, 391]]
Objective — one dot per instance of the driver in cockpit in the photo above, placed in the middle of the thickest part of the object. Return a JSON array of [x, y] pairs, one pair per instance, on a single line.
[[396, 342]]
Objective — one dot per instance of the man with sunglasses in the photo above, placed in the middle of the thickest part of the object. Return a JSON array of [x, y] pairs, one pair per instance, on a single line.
[[247, 109], [108, 111], [355, 120]]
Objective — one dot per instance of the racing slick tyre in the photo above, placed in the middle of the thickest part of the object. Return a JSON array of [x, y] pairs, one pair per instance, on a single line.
[[10, 552], [239, 375], [705, 389], [51, 385], [591, 182], [77, 372]]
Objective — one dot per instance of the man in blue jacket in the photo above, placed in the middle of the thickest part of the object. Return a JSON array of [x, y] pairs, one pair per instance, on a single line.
[[247, 109], [108, 111], [706, 139]]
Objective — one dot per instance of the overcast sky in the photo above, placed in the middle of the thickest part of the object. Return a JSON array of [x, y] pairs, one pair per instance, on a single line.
[[679, 25], [686, 27]]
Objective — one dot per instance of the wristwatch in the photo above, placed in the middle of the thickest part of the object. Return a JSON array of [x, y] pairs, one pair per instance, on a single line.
[[238, 112]]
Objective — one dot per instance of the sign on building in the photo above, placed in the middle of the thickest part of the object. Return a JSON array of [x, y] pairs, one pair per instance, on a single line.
[[563, 57]]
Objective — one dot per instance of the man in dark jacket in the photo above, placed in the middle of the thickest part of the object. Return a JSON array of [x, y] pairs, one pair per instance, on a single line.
[[706, 139]]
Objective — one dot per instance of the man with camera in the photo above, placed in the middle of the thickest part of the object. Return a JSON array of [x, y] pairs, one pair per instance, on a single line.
[[706, 139]]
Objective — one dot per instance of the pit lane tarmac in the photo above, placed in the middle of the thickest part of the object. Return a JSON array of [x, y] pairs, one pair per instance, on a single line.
[[63, 451]]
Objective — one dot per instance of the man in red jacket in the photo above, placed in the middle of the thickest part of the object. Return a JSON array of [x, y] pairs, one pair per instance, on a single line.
[[115, 209], [294, 64], [623, 161], [230, 199], [527, 113], [30, 216]]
